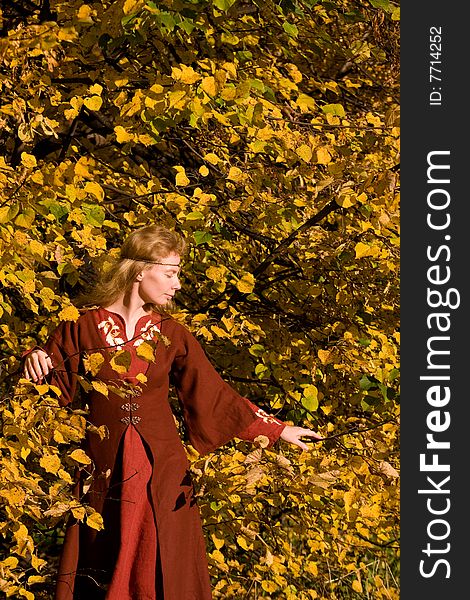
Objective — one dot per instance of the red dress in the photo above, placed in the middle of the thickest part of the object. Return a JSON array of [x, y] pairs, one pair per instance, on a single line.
[[152, 546]]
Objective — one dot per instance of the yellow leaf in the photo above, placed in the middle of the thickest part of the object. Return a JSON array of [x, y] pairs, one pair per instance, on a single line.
[[36, 562], [357, 586], [100, 387], [91, 187], [93, 362], [141, 377], [96, 88], [310, 399], [229, 92], [243, 543], [346, 200], [234, 205], [185, 74], [122, 136], [95, 521], [26, 594], [209, 85], [246, 283], [304, 152], [64, 475], [324, 356], [37, 177], [36, 248], [204, 171], [235, 174], [219, 331], [93, 102], [36, 579], [211, 158], [181, 178], [81, 168], [131, 6], [14, 496], [79, 512], [41, 388], [349, 499], [177, 99], [80, 457], [146, 139], [50, 463], [218, 556], [69, 313], [218, 542], [84, 13], [312, 568], [215, 273], [58, 437], [305, 103], [28, 160], [120, 362], [323, 156], [146, 350], [362, 250], [269, 586], [370, 512]]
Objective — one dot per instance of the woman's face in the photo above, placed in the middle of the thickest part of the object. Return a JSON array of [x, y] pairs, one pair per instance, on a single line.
[[158, 284]]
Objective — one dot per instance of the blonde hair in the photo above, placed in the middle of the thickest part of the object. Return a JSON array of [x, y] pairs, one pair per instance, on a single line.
[[140, 249]]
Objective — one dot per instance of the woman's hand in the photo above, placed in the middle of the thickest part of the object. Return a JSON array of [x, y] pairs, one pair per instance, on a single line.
[[37, 365], [293, 434]]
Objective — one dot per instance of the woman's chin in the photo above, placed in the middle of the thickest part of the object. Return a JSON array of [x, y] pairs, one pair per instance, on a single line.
[[164, 304]]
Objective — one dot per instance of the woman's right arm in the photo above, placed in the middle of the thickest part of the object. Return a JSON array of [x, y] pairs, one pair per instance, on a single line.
[[57, 362]]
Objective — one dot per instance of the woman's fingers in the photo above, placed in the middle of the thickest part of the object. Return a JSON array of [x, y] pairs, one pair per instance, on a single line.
[[293, 434], [38, 365]]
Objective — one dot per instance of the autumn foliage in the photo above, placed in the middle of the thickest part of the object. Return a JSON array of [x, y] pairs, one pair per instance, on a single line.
[[268, 134]]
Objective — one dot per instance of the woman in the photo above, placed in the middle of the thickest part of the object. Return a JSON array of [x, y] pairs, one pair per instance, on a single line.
[[152, 546]]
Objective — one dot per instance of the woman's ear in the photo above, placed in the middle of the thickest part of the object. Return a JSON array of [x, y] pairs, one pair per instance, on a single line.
[[139, 276]]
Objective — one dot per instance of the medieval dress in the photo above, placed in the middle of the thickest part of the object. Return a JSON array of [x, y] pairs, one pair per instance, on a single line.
[[152, 546]]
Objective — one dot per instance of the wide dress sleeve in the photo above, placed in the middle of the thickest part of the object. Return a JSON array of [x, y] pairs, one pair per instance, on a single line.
[[213, 411]]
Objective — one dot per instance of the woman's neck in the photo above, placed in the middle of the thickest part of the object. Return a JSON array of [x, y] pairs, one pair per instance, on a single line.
[[129, 306]]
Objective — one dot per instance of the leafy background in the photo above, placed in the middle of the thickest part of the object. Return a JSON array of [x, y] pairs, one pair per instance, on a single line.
[[268, 134]]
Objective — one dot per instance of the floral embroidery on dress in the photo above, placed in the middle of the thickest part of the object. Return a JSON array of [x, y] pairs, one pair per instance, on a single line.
[[112, 332], [147, 333], [113, 335], [267, 418]]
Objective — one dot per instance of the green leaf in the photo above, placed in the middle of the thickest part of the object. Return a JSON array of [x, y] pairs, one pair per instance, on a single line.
[[201, 237], [187, 25], [290, 29], [366, 384], [223, 4], [94, 214], [257, 350], [310, 398], [59, 211], [383, 4], [334, 109], [8, 212], [194, 216]]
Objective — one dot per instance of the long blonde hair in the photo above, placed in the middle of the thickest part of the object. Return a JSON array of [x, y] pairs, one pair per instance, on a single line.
[[141, 247]]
